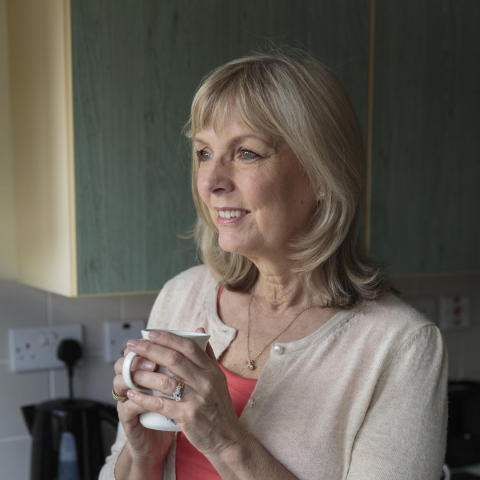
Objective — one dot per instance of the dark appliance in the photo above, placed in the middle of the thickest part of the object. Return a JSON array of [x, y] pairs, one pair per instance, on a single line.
[[67, 437], [67, 433], [463, 433]]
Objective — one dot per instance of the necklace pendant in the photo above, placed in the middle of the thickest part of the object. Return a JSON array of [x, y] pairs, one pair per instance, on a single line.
[[250, 365]]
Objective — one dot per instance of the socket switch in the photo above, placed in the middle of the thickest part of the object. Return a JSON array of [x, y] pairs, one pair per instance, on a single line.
[[454, 313], [36, 348], [117, 334]]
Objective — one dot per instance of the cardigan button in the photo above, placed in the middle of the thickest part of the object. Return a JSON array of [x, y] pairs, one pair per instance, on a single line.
[[278, 349]]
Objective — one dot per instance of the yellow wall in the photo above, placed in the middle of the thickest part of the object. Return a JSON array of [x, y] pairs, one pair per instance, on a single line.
[[42, 138], [8, 254]]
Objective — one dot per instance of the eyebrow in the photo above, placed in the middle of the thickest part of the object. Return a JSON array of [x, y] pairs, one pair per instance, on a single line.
[[240, 138]]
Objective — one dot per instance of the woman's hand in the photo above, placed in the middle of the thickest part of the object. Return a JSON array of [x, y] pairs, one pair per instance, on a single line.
[[205, 412], [146, 447]]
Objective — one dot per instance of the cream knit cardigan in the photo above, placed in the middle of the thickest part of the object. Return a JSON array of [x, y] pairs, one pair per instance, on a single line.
[[362, 398]]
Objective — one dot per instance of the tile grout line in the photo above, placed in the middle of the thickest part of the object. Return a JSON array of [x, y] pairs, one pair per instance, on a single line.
[[15, 438], [87, 354]]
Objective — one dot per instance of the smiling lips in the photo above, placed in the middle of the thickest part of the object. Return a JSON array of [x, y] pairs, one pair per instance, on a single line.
[[230, 216], [232, 213]]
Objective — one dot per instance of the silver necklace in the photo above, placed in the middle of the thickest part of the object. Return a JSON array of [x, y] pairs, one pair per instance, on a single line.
[[250, 362]]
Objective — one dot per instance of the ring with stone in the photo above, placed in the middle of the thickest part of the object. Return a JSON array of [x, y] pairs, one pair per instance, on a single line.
[[177, 394]]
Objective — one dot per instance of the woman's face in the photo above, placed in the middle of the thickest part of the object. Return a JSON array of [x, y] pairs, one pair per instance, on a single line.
[[255, 188]]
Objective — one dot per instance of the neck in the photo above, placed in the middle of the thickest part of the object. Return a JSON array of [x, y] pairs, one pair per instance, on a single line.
[[277, 292]]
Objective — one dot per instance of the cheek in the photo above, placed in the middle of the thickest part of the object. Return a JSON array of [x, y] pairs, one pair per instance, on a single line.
[[202, 192], [298, 203], [199, 185]]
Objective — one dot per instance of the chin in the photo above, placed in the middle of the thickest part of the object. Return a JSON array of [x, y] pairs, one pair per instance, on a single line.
[[233, 245], [228, 247]]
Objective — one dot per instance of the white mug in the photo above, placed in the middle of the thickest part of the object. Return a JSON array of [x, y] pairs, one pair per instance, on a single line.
[[153, 420]]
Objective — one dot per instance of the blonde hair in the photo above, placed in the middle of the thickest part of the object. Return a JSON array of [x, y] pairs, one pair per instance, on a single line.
[[295, 98]]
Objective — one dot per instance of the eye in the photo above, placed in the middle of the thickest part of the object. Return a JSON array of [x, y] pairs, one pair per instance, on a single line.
[[248, 154], [203, 155]]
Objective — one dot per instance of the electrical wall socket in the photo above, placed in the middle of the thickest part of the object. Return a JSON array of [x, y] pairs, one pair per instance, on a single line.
[[36, 348], [454, 313], [117, 334]]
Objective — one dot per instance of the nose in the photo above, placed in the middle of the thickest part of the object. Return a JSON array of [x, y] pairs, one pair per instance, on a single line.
[[215, 177]]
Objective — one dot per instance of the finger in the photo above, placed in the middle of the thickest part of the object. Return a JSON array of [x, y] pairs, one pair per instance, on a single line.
[[155, 381], [179, 355], [210, 352], [139, 363], [162, 405], [127, 350], [120, 387], [186, 347], [128, 412], [175, 362]]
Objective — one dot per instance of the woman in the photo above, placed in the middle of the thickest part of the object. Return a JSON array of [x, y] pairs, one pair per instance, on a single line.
[[314, 370]]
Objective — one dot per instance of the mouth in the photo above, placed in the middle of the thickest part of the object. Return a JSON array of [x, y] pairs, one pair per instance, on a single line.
[[228, 214], [232, 213]]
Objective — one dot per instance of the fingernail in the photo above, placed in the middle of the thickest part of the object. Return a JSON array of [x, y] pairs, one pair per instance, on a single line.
[[131, 393], [148, 364], [154, 335], [133, 343]]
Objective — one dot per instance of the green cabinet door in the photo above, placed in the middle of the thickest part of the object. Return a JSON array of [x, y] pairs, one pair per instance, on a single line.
[[425, 196], [136, 65]]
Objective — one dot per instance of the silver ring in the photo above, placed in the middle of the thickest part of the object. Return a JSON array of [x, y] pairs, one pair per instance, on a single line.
[[177, 394]]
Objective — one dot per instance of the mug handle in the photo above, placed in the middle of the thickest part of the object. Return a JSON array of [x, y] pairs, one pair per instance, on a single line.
[[126, 372]]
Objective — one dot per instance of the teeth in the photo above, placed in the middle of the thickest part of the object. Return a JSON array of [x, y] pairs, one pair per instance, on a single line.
[[231, 213]]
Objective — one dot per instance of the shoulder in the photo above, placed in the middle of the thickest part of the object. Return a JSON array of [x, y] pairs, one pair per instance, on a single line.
[[182, 296], [389, 325], [190, 280], [392, 315]]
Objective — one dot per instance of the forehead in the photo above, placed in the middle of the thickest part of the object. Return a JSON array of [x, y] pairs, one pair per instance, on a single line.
[[232, 127], [217, 107]]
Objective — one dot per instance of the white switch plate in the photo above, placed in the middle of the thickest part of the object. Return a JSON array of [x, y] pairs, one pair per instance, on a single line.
[[36, 348], [117, 334], [454, 313]]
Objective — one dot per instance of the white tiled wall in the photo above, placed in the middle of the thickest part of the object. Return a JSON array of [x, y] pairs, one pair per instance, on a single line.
[[22, 306], [15, 458]]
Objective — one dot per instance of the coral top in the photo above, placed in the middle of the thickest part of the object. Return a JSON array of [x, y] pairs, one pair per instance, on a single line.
[[190, 463]]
